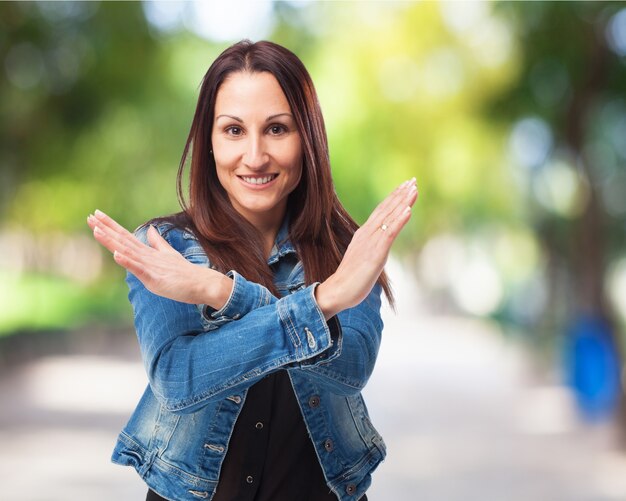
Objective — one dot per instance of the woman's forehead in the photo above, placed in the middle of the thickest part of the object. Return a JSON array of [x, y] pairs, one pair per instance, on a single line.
[[245, 93]]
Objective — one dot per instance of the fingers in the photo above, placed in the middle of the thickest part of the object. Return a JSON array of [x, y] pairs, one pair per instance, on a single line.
[[394, 226], [111, 234], [128, 251], [112, 228], [109, 222], [392, 201], [390, 208], [157, 242], [401, 207], [103, 238], [129, 263], [389, 201], [129, 258]]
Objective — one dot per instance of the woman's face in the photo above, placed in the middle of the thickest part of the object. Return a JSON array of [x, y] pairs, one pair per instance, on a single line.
[[256, 146]]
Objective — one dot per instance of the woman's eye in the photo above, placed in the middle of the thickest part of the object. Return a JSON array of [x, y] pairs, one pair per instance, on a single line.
[[277, 129], [234, 130]]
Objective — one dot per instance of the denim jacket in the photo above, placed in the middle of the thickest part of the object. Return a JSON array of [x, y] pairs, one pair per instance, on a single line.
[[200, 363]]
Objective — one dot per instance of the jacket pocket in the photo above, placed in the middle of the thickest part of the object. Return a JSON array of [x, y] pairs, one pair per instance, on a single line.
[[364, 426], [164, 428]]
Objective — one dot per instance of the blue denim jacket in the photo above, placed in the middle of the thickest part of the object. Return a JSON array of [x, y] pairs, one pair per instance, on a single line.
[[201, 362]]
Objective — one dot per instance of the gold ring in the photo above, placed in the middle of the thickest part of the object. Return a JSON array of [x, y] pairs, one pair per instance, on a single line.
[[383, 227]]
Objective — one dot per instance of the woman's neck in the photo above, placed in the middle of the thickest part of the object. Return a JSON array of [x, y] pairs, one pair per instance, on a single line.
[[268, 230], [268, 241]]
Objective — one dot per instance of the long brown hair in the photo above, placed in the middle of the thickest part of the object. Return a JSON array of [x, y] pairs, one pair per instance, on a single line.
[[320, 228]]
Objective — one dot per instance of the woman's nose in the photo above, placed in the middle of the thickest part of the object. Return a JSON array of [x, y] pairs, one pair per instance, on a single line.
[[255, 156]]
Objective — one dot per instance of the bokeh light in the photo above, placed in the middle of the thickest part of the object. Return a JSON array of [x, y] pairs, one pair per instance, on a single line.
[[531, 142], [616, 33]]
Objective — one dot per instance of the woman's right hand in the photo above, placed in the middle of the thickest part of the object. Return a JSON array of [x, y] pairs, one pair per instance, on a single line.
[[162, 269], [367, 253]]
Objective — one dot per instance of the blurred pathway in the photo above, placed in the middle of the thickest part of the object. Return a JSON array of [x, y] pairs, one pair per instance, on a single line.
[[59, 417], [464, 414], [468, 415]]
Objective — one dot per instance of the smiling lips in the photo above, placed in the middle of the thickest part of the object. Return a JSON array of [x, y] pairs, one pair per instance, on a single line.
[[259, 180]]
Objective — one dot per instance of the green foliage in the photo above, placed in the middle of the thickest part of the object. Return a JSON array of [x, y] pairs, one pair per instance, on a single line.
[[36, 301], [403, 98], [96, 106]]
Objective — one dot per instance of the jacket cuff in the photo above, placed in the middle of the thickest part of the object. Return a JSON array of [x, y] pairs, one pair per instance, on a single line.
[[305, 325], [336, 341], [244, 297]]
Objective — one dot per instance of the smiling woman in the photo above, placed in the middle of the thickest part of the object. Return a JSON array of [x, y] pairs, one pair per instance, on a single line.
[[257, 148], [257, 307]]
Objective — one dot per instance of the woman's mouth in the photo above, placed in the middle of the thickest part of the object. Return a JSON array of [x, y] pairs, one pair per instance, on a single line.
[[259, 180]]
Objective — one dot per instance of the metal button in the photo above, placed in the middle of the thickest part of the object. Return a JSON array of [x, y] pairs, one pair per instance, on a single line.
[[314, 401], [328, 445], [259, 425], [249, 479], [310, 338], [351, 489]]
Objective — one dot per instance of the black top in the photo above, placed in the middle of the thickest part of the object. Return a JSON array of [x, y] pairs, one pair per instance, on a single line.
[[270, 455]]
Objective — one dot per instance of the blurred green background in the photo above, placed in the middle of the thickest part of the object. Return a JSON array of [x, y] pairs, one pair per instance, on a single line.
[[512, 117]]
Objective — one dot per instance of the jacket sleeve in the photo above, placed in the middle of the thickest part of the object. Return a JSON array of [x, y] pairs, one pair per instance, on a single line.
[[190, 362], [345, 367], [359, 331]]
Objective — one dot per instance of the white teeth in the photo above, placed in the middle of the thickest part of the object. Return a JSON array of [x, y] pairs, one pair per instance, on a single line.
[[258, 180]]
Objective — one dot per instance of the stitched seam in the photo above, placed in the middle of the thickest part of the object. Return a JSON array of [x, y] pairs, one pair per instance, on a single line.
[[170, 468], [289, 333], [262, 300], [297, 345], [212, 392]]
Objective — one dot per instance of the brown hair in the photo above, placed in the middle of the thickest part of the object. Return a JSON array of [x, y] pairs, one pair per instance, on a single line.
[[321, 233]]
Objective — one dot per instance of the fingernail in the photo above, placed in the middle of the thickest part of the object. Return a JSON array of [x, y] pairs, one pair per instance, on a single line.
[[99, 212], [98, 231], [407, 209]]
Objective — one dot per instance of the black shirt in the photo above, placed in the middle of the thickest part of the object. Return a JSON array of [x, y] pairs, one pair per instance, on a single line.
[[270, 454]]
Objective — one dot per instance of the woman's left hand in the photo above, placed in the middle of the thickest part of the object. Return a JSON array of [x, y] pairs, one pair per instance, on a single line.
[[367, 253], [162, 269]]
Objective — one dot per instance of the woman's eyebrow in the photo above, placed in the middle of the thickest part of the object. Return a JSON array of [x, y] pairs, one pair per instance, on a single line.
[[272, 117], [230, 116], [240, 120]]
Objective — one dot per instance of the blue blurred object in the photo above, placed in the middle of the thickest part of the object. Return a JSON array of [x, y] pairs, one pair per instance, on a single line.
[[593, 366]]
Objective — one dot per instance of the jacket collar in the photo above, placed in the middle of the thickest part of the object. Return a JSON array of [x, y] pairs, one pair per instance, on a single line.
[[282, 244]]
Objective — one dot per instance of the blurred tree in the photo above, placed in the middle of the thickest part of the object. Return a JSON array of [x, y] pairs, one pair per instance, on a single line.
[[569, 109], [402, 97], [97, 103], [91, 113], [94, 109], [405, 95]]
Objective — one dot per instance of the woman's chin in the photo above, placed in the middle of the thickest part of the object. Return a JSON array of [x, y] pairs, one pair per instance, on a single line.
[[265, 211]]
